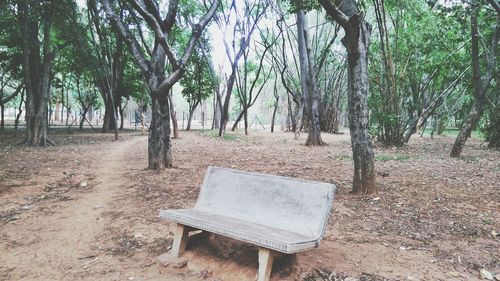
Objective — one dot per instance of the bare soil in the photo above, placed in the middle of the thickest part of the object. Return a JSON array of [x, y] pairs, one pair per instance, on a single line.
[[87, 209]]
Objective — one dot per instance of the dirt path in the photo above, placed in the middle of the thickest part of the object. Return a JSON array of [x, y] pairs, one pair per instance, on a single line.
[[57, 241], [435, 218]]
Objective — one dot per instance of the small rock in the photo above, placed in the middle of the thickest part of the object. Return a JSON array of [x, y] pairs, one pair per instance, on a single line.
[[376, 199], [351, 279], [402, 248], [131, 278], [97, 206], [486, 274], [138, 235], [410, 278], [453, 273], [83, 184], [205, 274], [168, 260]]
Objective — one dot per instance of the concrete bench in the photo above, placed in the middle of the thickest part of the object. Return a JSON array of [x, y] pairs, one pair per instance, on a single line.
[[275, 213]]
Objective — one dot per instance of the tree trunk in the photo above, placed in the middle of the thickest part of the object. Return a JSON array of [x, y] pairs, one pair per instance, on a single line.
[[217, 108], [62, 102], [120, 111], [245, 118], [357, 41], [68, 108], [20, 109], [108, 121], [173, 116], [159, 144], [2, 121], [36, 71], [308, 82], [274, 114], [225, 107], [238, 119], [479, 85], [290, 120], [84, 113], [190, 117]]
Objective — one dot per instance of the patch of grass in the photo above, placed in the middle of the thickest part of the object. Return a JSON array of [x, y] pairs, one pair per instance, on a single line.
[[345, 157], [453, 132], [215, 134], [470, 159], [396, 157]]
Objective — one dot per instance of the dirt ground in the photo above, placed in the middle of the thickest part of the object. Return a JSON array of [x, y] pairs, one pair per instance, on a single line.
[[87, 209]]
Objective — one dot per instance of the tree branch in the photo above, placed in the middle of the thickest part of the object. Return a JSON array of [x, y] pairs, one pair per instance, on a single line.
[[334, 12], [134, 46], [195, 35], [157, 29]]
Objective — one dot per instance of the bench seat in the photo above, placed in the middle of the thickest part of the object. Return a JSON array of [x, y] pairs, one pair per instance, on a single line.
[[280, 240], [278, 214]]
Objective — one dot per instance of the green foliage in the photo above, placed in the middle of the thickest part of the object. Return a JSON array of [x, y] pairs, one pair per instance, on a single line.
[[197, 81], [428, 49]]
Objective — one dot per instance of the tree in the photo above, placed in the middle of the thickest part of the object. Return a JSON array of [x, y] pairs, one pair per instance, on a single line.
[[46, 28], [197, 82], [153, 64], [480, 82], [243, 26], [357, 41], [308, 81], [249, 76]]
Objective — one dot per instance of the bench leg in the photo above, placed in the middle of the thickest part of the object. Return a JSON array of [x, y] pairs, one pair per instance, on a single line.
[[180, 240], [266, 257]]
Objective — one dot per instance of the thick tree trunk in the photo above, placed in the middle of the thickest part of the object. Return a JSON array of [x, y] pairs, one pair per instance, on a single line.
[[159, 144], [108, 122], [308, 83], [357, 41]]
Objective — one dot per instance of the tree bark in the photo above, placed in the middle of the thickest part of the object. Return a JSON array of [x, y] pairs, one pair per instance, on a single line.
[[190, 117], [36, 71], [356, 41], [308, 83], [217, 108], [159, 144], [20, 109], [173, 115], [480, 84], [120, 111], [276, 96]]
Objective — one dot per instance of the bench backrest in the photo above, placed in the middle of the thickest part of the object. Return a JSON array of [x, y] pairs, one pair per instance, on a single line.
[[290, 204]]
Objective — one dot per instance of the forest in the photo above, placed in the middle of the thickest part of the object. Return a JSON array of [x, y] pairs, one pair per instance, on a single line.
[[113, 110]]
